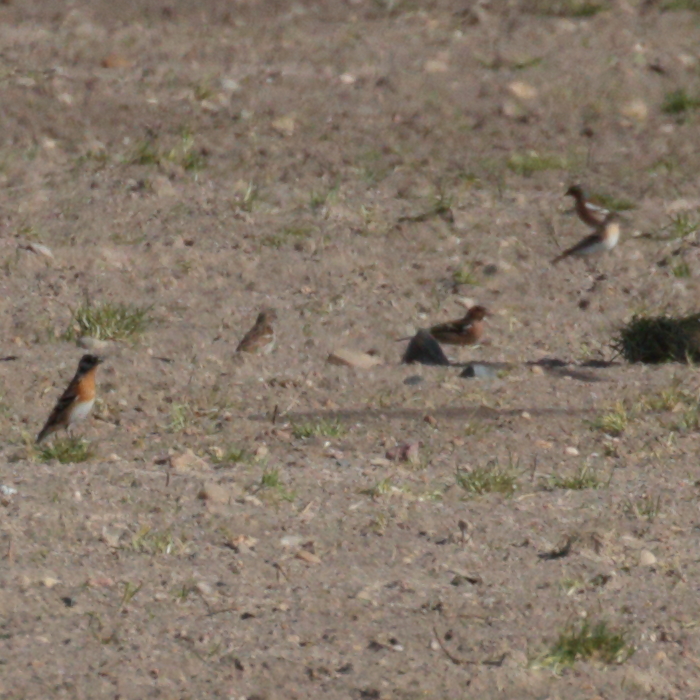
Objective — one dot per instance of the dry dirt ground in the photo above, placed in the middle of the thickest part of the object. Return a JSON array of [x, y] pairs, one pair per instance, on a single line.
[[364, 167]]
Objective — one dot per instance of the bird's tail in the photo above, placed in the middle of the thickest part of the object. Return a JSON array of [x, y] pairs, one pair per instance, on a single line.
[[559, 258], [44, 432]]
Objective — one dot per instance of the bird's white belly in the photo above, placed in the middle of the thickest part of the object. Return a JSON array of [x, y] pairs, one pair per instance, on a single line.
[[81, 411]]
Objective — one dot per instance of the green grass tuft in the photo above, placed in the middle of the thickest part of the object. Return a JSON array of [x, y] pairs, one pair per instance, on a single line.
[[270, 480], [381, 488], [647, 507], [680, 226], [587, 640], [184, 153], [149, 541], [180, 417], [678, 102], [585, 478], [613, 203], [108, 321], [489, 479], [531, 162], [232, 455], [576, 9], [680, 5], [613, 422], [681, 270], [323, 428], [67, 450], [465, 275]]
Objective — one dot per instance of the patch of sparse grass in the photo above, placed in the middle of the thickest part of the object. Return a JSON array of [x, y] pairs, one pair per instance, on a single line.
[[657, 339], [465, 275], [181, 593], [679, 102], [489, 479], [531, 162], [584, 478], [671, 399], [680, 5], [128, 238], [289, 234], [145, 153], [440, 207], [180, 417], [612, 203], [155, 542], [247, 200], [680, 226], [270, 480], [525, 63], [681, 270], [319, 198], [324, 428], [381, 488], [67, 450], [689, 420], [202, 91], [108, 321], [647, 507], [576, 9], [587, 640], [612, 422], [130, 591], [232, 455], [379, 523], [184, 153]]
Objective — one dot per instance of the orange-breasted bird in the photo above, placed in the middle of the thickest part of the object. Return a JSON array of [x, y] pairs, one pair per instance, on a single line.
[[604, 239], [464, 331], [591, 214], [76, 401]]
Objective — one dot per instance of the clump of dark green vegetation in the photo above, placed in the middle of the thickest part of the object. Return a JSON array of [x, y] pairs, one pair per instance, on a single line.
[[658, 339], [108, 321], [587, 640]]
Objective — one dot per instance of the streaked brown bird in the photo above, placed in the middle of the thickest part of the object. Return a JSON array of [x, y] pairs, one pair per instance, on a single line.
[[76, 401], [260, 339]]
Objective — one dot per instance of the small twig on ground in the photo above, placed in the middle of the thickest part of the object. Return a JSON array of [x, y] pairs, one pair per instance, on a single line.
[[466, 662]]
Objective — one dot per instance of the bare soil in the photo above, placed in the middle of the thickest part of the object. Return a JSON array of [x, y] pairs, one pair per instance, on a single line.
[[366, 168]]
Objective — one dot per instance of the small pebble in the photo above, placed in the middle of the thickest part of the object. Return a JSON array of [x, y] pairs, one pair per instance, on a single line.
[[646, 558], [413, 380]]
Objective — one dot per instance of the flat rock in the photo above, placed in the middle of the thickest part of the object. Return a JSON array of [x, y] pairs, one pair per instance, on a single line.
[[353, 358], [187, 462], [89, 343], [484, 370], [214, 493]]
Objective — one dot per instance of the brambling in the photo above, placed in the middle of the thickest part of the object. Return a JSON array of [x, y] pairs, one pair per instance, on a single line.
[[76, 401], [261, 337], [464, 331], [589, 213], [604, 239]]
